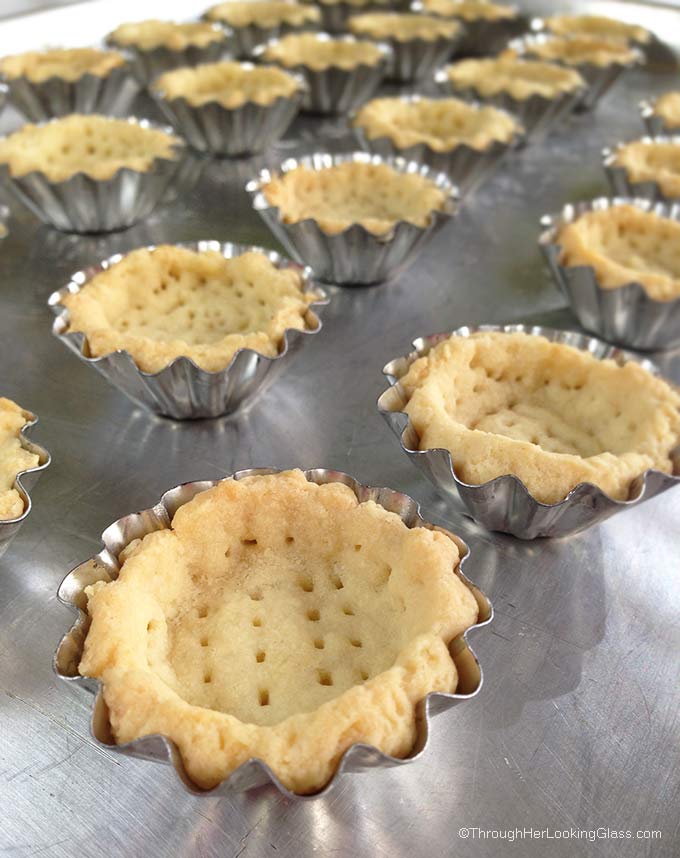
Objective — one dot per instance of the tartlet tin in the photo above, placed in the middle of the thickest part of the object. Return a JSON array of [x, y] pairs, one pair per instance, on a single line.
[[466, 166], [24, 482], [414, 59], [182, 390], [245, 40], [619, 178], [482, 36], [105, 566], [537, 114], [246, 129], [354, 257], [332, 90], [109, 95], [625, 315], [148, 64], [84, 204], [656, 125], [505, 504], [598, 78]]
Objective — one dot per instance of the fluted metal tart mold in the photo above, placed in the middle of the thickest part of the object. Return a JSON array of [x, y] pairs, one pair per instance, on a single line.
[[354, 257], [505, 504], [619, 178], [247, 129], [334, 15], [466, 166], [148, 64], [482, 36], [334, 90], [538, 115], [105, 566], [626, 315], [109, 95], [182, 390], [84, 204], [599, 79], [24, 482], [655, 125]]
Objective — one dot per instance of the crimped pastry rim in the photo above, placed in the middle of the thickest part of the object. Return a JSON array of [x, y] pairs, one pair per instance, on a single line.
[[422, 346], [178, 146], [571, 212], [260, 203], [386, 52], [409, 152], [394, 40], [620, 172], [165, 508], [82, 277], [419, 6], [300, 92], [523, 45], [44, 461], [223, 29]]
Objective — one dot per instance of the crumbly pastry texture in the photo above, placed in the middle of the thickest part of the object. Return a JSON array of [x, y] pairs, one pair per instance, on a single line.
[[13, 457], [277, 620], [667, 107], [163, 303], [95, 145], [550, 414], [442, 123], [597, 25], [625, 244], [230, 84], [652, 162], [402, 27], [317, 53], [470, 10], [263, 13], [374, 195], [150, 34], [519, 78], [68, 64], [583, 50]]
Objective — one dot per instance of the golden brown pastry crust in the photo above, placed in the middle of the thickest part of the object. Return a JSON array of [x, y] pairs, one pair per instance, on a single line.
[[625, 244], [441, 123], [13, 457], [652, 162], [583, 50], [95, 145], [597, 25], [470, 10], [376, 196], [163, 303], [230, 84], [68, 64], [552, 415], [152, 33], [402, 27], [264, 13], [521, 79], [667, 107], [279, 620], [319, 53]]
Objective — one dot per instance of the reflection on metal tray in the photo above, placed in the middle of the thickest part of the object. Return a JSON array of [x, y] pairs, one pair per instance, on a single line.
[[581, 660]]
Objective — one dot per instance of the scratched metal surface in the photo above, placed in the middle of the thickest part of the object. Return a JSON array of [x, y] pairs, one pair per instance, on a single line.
[[578, 721]]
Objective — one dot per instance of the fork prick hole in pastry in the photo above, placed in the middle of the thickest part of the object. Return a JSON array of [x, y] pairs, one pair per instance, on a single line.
[[207, 677], [306, 584], [347, 610], [319, 643], [204, 641], [256, 595], [202, 612], [257, 622], [336, 580], [313, 615], [249, 542], [260, 656], [264, 697], [355, 642], [325, 677]]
